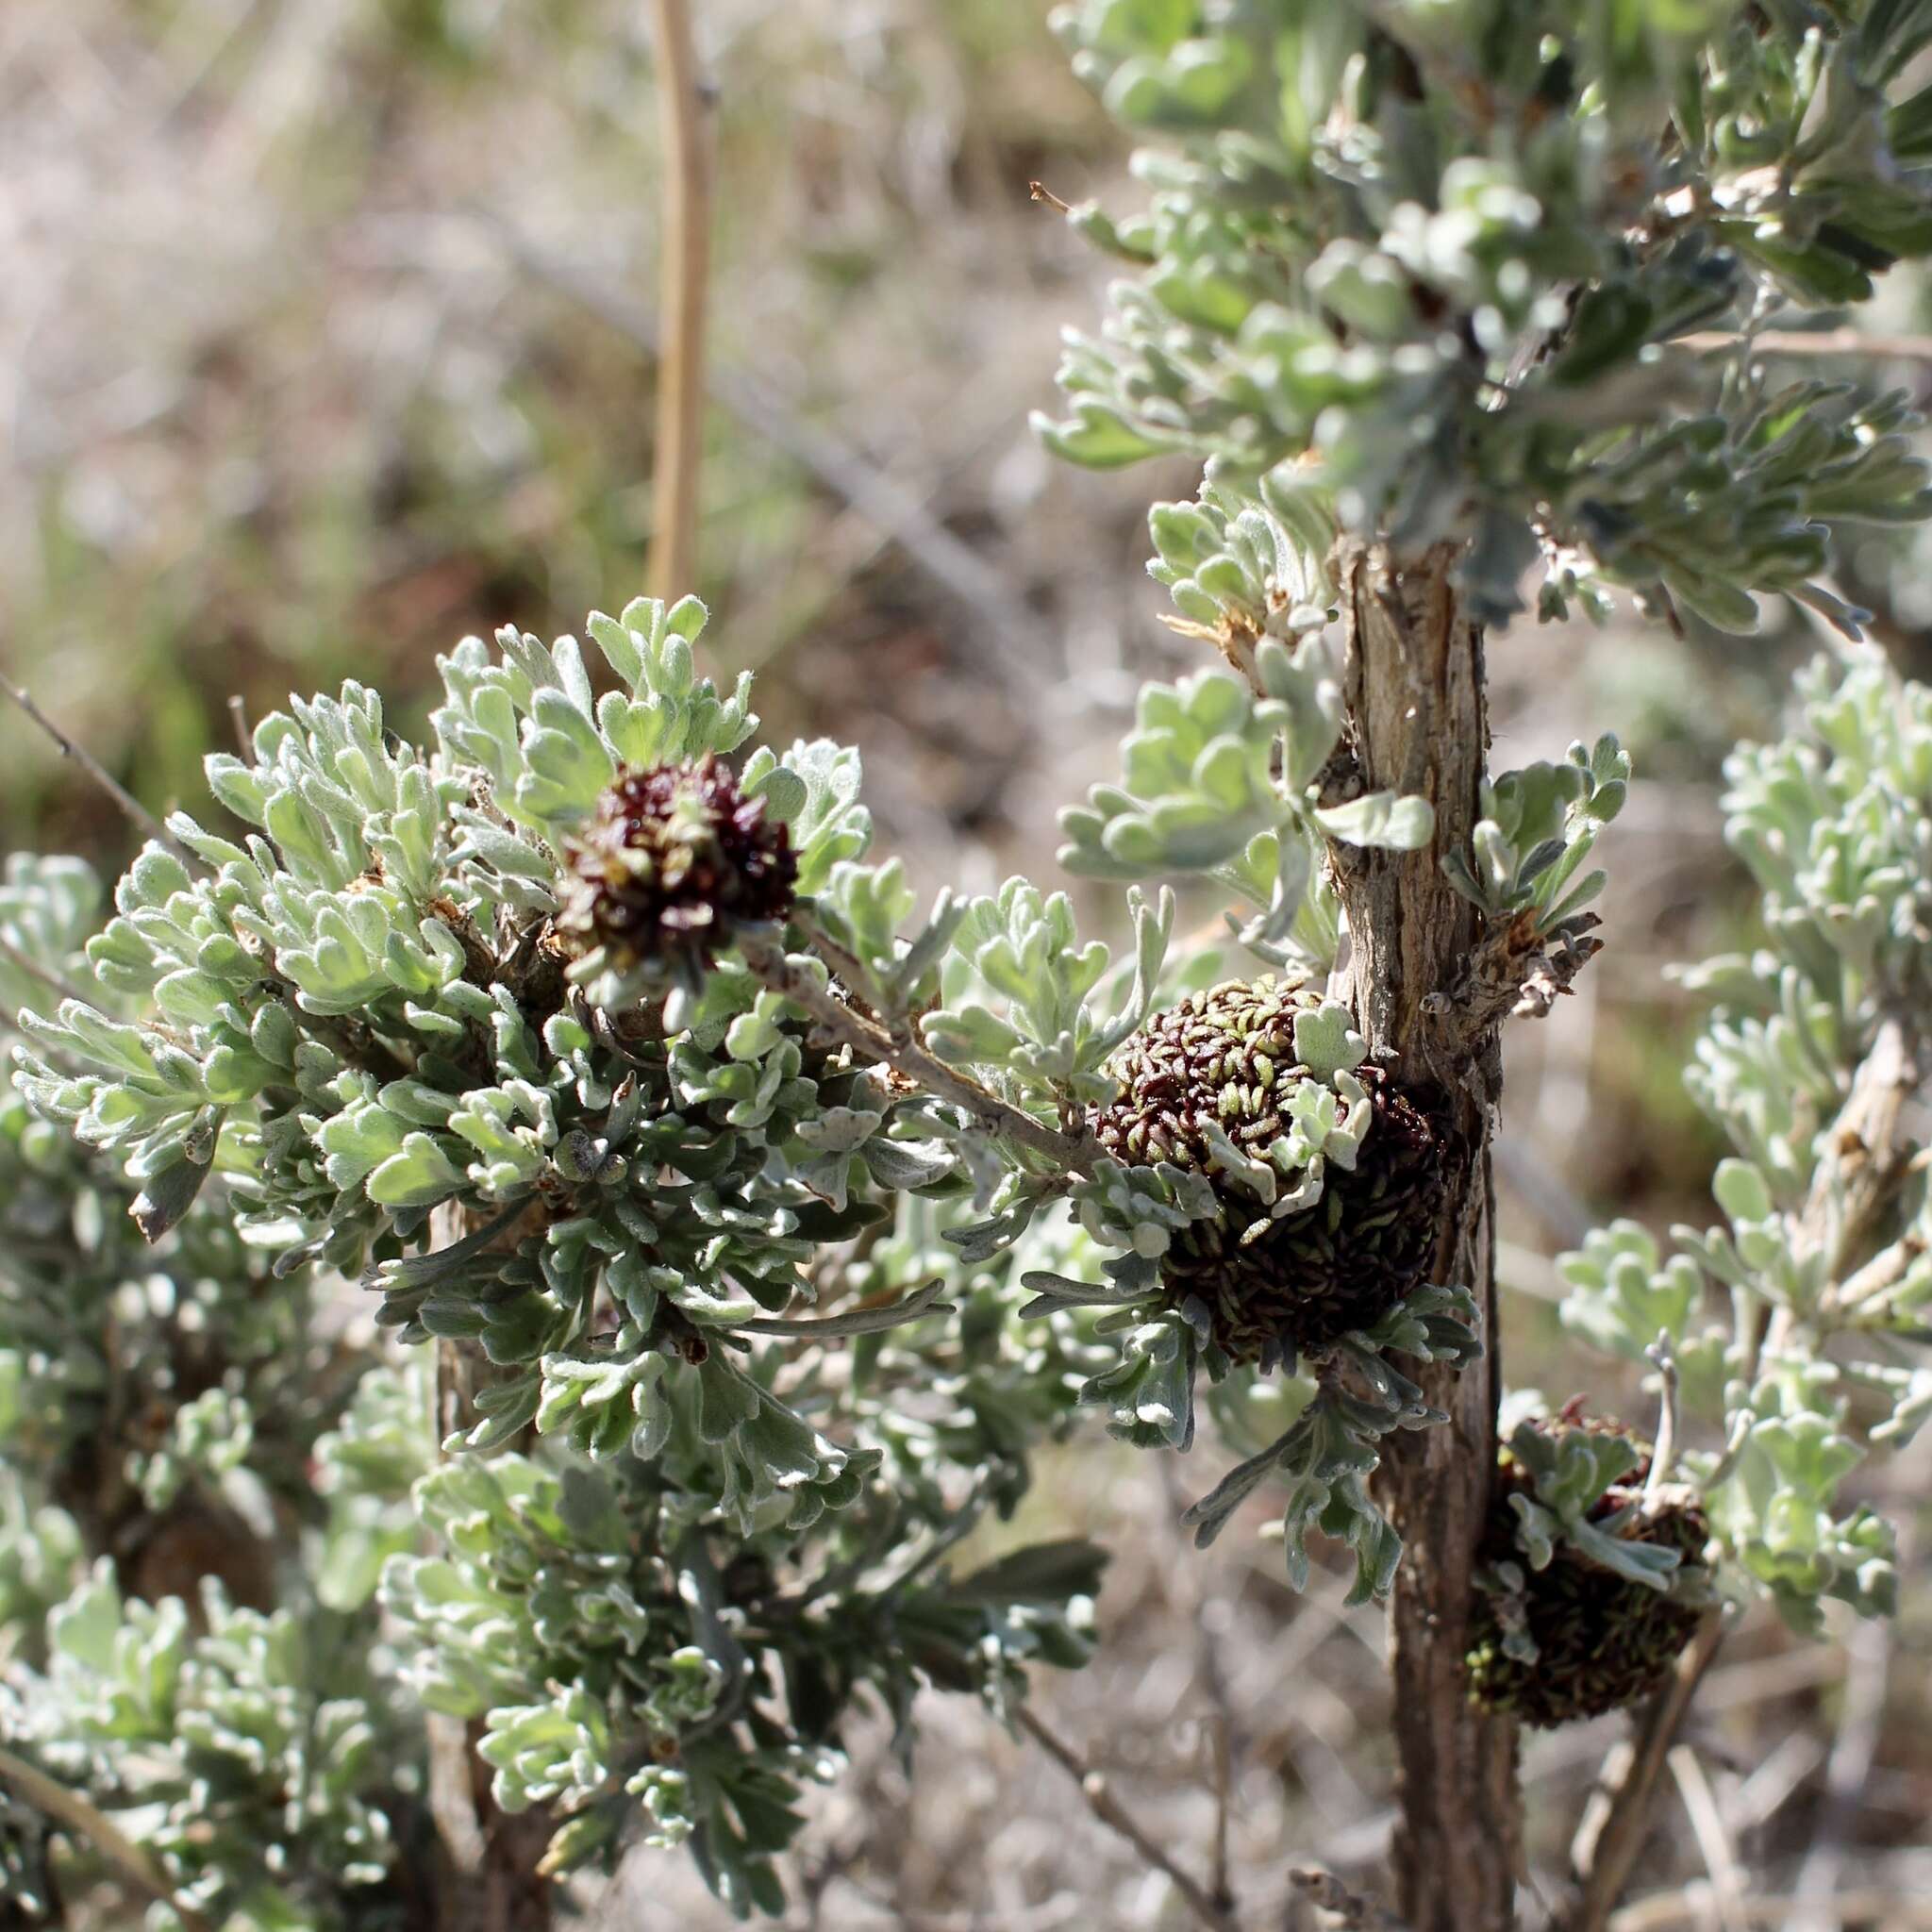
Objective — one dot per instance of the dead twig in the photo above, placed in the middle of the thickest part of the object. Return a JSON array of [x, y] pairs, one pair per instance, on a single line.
[[1846, 1771], [54, 983], [1222, 1729], [1514, 973], [684, 269], [1820, 343], [1712, 1834], [1116, 1817], [83, 1819], [130, 806], [1616, 1822], [1861, 1723]]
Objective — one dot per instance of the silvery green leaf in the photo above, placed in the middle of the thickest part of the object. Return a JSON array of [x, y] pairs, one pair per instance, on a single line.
[[1327, 1045], [1537, 1531], [1208, 1516], [870, 1320], [168, 1195], [904, 1166], [1380, 818], [417, 1175], [1652, 1565]]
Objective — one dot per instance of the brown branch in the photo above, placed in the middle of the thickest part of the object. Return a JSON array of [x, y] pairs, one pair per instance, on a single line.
[[1224, 1731], [1617, 1820], [1116, 1817], [1417, 722], [1864, 1159], [896, 1047], [684, 262], [130, 806], [80, 1819], [1712, 1834]]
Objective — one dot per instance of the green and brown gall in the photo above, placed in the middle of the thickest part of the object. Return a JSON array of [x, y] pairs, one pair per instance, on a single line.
[[1601, 1640], [1274, 1285]]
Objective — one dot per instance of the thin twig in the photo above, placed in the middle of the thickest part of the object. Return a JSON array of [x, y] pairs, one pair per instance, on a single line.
[[1113, 1814], [1823, 343], [1039, 191], [45, 974], [130, 806], [1220, 1742], [1713, 1837], [82, 1820], [683, 271], [237, 717], [1845, 1774], [897, 1048], [1617, 1820], [1224, 1735]]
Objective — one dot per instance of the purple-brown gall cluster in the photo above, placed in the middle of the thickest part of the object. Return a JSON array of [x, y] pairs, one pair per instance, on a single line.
[[1602, 1641], [670, 861]]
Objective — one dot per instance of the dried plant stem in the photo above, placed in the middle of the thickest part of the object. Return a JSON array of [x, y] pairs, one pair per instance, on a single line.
[[897, 1047], [60, 987], [684, 268], [130, 806], [1870, 1657], [1819, 342], [82, 1820], [1617, 1820], [1116, 1817], [1712, 1834], [1663, 1455]]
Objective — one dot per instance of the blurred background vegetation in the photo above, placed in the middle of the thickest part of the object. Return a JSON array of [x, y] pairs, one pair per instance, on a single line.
[[325, 338]]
